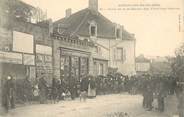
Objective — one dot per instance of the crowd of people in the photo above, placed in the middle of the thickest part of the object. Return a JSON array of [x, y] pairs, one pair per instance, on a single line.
[[154, 90], [151, 87], [25, 91]]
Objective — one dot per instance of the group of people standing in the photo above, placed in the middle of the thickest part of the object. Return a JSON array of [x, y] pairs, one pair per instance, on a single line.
[[61, 89], [21, 91], [154, 91]]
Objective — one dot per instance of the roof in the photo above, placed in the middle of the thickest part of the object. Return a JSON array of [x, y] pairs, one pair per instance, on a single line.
[[78, 24], [141, 59]]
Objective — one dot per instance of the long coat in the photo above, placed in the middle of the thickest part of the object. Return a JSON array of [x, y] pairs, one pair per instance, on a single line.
[[84, 84], [42, 85]]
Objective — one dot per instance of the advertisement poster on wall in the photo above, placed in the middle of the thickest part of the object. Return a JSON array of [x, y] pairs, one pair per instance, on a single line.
[[23, 42]]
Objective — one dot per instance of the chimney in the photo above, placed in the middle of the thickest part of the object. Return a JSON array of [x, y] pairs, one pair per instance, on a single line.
[[50, 26], [68, 12], [93, 5]]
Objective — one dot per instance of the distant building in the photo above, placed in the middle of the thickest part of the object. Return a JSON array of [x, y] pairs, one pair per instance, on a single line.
[[161, 65], [143, 65], [114, 46]]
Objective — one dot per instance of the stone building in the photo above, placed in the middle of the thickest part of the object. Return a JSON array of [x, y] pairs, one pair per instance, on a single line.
[[114, 46], [71, 57], [81, 43], [25, 47]]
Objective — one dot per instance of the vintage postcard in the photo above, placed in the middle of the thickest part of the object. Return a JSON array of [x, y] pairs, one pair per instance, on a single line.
[[91, 58]]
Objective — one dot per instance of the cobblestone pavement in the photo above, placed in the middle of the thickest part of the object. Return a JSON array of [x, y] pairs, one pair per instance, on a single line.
[[101, 106]]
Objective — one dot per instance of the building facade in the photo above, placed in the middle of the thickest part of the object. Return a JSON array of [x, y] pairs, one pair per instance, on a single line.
[[143, 65], [71, 57], [113, 44], [25, 47], [79, 44]]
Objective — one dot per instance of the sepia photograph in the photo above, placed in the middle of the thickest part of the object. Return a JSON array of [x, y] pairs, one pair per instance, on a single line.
[[91, 58]]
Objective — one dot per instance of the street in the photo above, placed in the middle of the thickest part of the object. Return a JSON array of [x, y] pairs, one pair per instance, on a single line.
[[101, 106]]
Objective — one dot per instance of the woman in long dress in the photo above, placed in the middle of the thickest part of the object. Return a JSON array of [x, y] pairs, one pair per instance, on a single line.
[[91, 87]]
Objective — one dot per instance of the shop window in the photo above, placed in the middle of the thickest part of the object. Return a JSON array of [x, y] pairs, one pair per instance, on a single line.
[[65, 65], [84, 66], [75, 66]]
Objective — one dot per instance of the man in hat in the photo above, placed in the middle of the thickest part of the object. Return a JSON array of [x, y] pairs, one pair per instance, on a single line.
[[9, 93]]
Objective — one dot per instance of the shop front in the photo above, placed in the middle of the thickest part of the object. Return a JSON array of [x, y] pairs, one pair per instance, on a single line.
[[73, 63], [17, 64]]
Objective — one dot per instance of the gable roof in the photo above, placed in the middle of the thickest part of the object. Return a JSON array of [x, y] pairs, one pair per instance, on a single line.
[[78, 24]]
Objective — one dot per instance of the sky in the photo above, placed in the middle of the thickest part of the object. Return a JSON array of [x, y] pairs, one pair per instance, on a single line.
[[158, 32]]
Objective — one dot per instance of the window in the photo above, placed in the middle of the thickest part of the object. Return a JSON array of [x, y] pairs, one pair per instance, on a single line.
[[101, 69], [98, 50], [95, 68], [118, 33], [120, 54], [75, 66], [93, 30], [60, 28], [84, 66]]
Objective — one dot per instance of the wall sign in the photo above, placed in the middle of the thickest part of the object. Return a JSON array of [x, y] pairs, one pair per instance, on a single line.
[[41, 49], [10, 57], [22, 42]]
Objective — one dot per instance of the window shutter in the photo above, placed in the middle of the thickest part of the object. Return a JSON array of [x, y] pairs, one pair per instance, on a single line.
[[114, 53], [124, 55]]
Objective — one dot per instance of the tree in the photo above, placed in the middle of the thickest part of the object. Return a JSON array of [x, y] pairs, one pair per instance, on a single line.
[[178, 64]]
